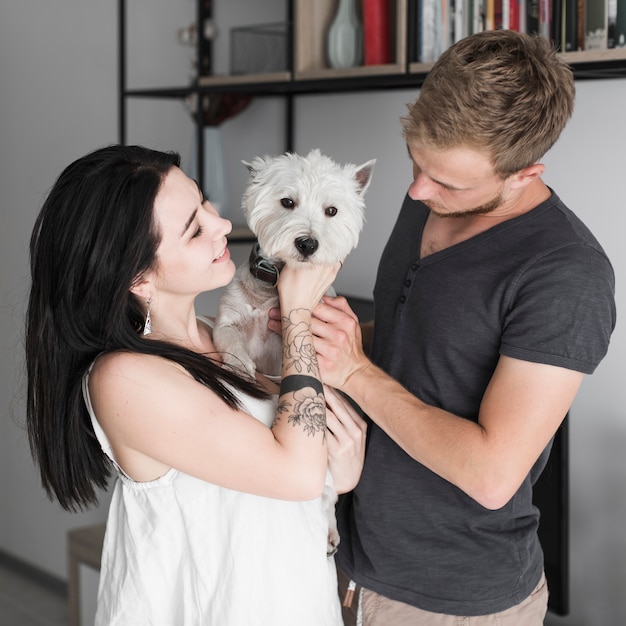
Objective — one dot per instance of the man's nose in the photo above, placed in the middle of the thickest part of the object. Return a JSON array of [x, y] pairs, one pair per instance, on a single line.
[[421, 188]]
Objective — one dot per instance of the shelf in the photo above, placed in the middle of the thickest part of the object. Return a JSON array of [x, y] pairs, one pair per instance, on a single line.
[[595, 56], [585, 65], [309, 74], [318, 81], [364, 71], [225, 81], [594, 64]]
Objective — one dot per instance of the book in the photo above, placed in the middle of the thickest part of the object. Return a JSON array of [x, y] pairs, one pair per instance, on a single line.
[[427, 20], [523, 9], [581, 18], [514, 15], [460, 19], [532, 17], [611, 23], [557, 25], [436, 22], [596, 25], [476, 18], [413, 32], [447, 24], [498, 14], [545, 18], [620, 25], [570, 27]]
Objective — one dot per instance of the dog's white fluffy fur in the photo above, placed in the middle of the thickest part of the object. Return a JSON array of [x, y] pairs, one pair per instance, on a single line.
[[292, 204]]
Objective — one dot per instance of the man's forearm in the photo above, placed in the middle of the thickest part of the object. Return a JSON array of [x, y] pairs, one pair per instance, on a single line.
[[448, 445]]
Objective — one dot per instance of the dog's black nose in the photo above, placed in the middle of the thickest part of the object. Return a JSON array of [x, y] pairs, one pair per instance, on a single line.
[[306, 245]]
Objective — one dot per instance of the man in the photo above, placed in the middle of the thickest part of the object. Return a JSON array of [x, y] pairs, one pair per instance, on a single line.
[[492, 300]]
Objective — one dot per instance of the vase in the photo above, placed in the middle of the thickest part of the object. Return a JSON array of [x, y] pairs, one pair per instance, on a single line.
[[215, 183], [376, 32], [344, 43]]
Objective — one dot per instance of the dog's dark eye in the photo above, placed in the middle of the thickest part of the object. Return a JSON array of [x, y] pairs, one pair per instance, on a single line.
[[287, 203], [331, 211]]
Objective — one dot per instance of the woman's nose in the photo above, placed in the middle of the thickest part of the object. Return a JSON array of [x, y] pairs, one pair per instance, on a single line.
[[225, 226]]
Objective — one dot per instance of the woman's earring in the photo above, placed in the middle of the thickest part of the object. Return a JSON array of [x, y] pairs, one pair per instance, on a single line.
[[147, 327]]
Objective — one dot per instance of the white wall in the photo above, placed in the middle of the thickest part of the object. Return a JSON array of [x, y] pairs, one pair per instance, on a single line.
[[58, 100]]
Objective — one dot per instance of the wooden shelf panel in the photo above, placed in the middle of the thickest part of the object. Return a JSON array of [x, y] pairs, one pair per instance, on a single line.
[[370, 71], [593, 56], [245, 79], [585, 64]]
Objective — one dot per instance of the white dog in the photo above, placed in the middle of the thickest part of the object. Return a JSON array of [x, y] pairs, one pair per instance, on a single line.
[[301, 210]]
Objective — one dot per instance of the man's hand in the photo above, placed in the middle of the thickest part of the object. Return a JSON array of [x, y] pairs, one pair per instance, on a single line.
[[274, 323], [338, 341]]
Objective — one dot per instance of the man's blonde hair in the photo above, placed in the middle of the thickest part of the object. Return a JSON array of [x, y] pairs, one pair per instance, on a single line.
[[504, 93]]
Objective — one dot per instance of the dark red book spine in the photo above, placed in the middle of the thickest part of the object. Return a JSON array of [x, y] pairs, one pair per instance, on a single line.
[[376, 32], [514, 15]]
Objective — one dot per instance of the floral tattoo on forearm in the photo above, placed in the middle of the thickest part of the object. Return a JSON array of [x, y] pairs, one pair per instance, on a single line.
[[298, 345], [309, 410], [302, 393]]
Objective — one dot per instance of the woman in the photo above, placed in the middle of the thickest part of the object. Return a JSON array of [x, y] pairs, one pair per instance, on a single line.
[[216, 517]]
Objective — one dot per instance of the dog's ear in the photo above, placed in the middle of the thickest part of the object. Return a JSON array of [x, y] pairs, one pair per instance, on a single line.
[[250, 167], [363, 175]]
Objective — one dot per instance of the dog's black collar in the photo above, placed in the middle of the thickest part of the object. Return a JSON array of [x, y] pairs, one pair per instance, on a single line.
[[261, 268]]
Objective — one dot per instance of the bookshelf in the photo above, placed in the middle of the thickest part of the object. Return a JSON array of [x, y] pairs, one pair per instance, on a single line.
[[307, 71]]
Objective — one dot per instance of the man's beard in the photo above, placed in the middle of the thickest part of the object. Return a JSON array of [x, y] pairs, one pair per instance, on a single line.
[[488, 207]]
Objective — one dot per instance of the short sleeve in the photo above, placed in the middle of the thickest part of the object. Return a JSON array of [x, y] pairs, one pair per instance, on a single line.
[[562, 309]]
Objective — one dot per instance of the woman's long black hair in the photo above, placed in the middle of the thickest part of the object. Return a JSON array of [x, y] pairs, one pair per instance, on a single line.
[[94, 236]]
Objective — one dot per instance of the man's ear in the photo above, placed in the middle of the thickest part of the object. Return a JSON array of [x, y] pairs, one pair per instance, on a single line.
[[528, 174]]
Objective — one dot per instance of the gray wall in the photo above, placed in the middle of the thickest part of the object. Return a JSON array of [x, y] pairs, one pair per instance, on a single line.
[[58, 100]]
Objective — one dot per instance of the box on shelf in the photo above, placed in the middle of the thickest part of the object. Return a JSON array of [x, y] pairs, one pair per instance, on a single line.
[[258, 49]]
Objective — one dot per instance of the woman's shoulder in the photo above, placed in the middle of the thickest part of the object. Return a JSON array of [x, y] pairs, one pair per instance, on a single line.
[[121, 367], [126, 359], [140, 400]]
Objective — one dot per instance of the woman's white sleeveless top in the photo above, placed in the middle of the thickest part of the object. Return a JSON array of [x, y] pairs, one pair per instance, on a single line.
[[179, 551]]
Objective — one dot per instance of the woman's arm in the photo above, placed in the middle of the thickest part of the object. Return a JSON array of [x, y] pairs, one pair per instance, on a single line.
[[157, 416]]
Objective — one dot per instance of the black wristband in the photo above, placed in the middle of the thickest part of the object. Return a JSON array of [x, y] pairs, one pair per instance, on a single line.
[[296, 382]]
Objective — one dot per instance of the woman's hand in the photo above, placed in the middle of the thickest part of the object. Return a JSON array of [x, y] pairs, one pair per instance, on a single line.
[[303, 286], [346, 441]]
